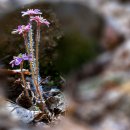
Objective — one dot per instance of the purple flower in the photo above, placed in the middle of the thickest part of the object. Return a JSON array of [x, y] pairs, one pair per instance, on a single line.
[[40, 20], [17, 60], [31, 12], [22, 29], [27, 57]]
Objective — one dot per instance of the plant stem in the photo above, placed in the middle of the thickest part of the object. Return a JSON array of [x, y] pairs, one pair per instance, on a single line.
[[28, 52], [32, 50], [33, 65], [37, 52], [23, 79], [30, 62], [26, 44], [36, 85]]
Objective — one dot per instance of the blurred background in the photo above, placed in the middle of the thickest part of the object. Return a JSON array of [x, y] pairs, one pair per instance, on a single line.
[[88, 45]]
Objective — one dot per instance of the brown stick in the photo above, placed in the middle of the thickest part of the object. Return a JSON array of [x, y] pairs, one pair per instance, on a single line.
[[13, 72]]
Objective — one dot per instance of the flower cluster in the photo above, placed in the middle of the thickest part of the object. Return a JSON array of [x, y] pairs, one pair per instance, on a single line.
[[31, 45], [17, 60], [24, 29]]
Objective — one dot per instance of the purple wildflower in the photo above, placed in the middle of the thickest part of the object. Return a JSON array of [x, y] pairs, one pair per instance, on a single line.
[[17, 60], [22, 29], [31, 12], [40, 20], [27, 57]]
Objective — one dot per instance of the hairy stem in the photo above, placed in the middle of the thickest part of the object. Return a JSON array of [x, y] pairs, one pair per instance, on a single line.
[[23, 79], [26, 44], [37, 52], [28, 50], [36, 85], [33, 65], [32, 49]]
